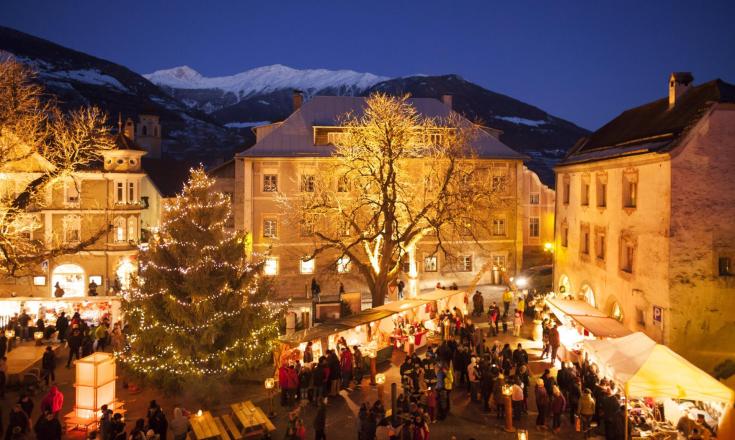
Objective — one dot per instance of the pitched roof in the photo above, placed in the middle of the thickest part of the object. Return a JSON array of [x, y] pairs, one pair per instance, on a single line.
[[294, 138], [123, 142], [650, 127]]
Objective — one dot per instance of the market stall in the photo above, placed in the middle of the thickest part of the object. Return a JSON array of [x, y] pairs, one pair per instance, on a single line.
[[647, 370], [406, 324], [580, 322]]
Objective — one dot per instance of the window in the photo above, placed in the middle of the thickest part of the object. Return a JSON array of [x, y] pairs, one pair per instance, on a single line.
[[270, 267], [584, 239], [533, 227], [498, 182], [627, 255], [630, 189], [724, 265], [132, 229], [534, 199], [430, 263], [498, 226], [307, 266], [119, 192], [566, 187], [640, 316], [343, 184], [564, 234], [337, 137], [72, 229], [131, 192], [119, 229], [343, 264], [465, 263], [600, 248], [307, 183], [585, 192], [601, 190], [270, 228], [499, 261], [270, 183], [617, 311], [71, 193], [307, 226]]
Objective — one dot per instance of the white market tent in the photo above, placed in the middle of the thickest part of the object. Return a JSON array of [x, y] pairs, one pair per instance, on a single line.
[[648, 369]]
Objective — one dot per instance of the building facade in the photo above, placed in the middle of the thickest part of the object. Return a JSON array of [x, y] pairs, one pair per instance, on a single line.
[[643, 211], [103, 197], [537, 204], [288, 153]]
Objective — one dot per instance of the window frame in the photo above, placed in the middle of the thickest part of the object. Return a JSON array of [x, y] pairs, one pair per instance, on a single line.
[[274, 222], [434, 266], [269, 187], [307, 183], [534, 225]]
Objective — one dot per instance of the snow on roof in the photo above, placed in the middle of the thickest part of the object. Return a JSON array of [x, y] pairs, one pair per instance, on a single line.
[[295, 138]]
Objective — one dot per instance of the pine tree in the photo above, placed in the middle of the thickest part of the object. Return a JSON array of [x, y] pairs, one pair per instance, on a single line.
[[200, 311]]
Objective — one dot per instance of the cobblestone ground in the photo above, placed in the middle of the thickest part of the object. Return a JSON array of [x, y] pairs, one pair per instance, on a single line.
[[467, 420]]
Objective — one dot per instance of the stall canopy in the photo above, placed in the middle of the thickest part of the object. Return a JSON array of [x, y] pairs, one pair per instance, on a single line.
[[648, 369], [596, 322]]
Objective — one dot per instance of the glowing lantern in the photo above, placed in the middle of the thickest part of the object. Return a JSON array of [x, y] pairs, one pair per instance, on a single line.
[[380, 378], [507, 390], [522, 434], [95, 385], [10, 334], [37, 336], [270, 383], [199, 413]]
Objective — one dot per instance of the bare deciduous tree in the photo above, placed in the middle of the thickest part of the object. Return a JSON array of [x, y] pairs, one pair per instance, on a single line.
[[395, 178], [39, 146]]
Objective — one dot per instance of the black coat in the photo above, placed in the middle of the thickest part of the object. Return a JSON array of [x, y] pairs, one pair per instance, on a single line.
[[320, 420], [48, 429], [48, 361]]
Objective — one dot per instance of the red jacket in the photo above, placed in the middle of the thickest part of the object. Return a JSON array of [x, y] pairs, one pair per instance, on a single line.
[[345, 362]]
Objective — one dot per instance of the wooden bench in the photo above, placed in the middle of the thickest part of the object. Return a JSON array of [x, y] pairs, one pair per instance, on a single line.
[[222, 431], [230, 424]]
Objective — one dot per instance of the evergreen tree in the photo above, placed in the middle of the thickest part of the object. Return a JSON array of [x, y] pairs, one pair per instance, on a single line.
[[200, 312]]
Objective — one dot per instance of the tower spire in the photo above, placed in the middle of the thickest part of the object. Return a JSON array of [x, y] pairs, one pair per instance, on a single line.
[[119, 122]]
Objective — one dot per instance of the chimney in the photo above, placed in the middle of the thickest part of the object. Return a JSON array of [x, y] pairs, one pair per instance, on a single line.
[[129, 129], [447, 100], [679, 83], [298, 99]]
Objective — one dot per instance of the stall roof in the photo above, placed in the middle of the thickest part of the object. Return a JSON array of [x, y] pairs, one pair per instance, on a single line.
[[574, 307], [602, 327], [365, 317], [402, 305], [648, 369], [314, 333], [439, 294]]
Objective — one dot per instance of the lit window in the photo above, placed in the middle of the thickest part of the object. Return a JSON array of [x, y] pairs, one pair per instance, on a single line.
[[630, 189], [627, 255], [534, 199], [337, 137], [270, 267], [119, 192], [270, 228], [270, 183], [308, 183], [589, 296], [120, 226], [307, 266], [498, 226], [131, 192], [724, 266], [465, 263], [343, 264], [617, 312], [430, 263], [132, 229], [533, 227], [39, 280]]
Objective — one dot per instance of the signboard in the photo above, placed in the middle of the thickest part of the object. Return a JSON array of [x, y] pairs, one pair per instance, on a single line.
[[658, 315]]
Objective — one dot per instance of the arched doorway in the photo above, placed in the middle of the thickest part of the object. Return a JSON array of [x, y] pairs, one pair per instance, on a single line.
[[588, 295], [70, 278], [617, 311], [124, 273], [565, 286]]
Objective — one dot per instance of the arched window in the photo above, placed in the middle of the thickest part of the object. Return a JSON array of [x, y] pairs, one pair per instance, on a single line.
[[119, 229], [144, 130], [132, 229], [617, 311], [565, 286], [589, 295]]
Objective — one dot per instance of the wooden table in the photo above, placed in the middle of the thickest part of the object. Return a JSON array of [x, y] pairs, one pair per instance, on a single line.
[[251, 417], [204, 426]]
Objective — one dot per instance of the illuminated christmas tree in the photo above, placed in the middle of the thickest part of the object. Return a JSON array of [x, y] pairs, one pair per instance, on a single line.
[[201, 312]]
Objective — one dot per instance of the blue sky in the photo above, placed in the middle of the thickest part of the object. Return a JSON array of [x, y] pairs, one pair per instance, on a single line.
[[585, 61]]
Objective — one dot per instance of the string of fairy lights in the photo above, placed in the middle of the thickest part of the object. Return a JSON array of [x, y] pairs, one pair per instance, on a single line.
[[150, 349]]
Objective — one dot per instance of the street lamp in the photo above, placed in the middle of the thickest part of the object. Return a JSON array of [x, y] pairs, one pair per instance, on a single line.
[[270, 384], [507, 391], [522, 434], [380, 380]]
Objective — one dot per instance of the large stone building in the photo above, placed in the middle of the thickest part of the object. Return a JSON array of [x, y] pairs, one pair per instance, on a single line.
[[287, 151], [644, 211], [103, 196], [537, 206]]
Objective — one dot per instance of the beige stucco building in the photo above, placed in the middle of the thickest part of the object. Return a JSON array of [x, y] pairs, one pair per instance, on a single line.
[[289, 153], [644, 213], [104, 196], [537, 203]]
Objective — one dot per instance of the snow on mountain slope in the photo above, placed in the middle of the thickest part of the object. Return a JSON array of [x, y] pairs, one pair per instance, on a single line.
[[266, 79]]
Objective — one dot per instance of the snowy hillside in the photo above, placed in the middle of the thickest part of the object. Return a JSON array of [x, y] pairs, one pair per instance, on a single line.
[[267, 79]]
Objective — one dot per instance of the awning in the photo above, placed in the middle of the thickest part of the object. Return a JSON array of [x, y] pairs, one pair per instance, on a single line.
[[314, 333], [402, 305], [438, 294], [593, 320]]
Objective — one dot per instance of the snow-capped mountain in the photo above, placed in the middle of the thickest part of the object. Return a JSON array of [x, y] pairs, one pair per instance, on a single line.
[[267, 79]]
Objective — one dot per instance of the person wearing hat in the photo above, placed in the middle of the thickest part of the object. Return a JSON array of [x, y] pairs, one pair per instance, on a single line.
[[586, 410]]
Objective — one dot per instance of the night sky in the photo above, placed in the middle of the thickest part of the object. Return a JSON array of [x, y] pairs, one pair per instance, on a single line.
[[585, 61]]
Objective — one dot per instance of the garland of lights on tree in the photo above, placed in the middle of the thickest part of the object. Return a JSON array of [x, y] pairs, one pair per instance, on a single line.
[[200, 309]]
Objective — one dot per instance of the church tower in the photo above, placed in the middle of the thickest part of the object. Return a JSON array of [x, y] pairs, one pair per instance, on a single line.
[[148, 135]]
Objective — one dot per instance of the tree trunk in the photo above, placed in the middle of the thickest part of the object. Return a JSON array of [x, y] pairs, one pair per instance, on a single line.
[[379, 293]]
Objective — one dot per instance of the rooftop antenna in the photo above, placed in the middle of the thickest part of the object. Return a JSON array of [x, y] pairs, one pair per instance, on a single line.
[[119, 122]]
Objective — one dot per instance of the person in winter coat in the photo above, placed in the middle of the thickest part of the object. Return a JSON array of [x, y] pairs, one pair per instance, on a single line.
[[320, 421], [26, 404], [554, 342], [498, 395], [574, 393], [48, 365], [558, 405], [62, 324], [586, 410], [473, 374], [157, 420], [542, 404], [53, 401], [179, 425], [345, 365], [17, 419], [358, 362], [75, 343], [517, 323], [308, 354], [48, 427], [507, 299], [283, 384], [138, 432]]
